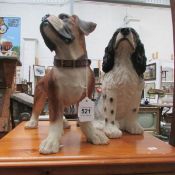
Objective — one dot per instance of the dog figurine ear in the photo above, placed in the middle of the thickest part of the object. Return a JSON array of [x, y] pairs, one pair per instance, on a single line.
[[85, 26], [108, 59], [139, 59]]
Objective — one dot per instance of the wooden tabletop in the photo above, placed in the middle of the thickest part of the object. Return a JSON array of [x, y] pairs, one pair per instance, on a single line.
[[129, 154]]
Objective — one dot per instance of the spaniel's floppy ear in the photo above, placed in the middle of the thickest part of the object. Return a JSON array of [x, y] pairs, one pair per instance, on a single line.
[[85, 26], [139, 59], [108, 59]]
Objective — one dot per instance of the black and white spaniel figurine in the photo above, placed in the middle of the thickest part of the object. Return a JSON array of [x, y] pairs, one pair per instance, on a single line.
[[124, 63]]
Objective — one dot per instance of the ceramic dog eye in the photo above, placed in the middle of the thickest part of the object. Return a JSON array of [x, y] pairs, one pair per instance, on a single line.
[[63, 16]]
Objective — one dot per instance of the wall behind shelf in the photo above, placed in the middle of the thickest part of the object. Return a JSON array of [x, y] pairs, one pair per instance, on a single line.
[[155, 26]]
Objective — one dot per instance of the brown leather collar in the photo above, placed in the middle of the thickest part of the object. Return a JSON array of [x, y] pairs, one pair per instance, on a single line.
[[72, 63]]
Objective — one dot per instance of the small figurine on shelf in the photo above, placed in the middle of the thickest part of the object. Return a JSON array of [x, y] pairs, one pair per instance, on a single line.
[[146, 102], [159, 92]]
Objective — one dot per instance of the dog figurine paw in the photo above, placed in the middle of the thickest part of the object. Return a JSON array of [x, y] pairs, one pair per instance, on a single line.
[[31, 124], [112, 131], [94, 136], [49, 146], [134, 128]]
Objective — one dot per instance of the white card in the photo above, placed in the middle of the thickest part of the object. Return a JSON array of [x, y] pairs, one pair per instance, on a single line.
[[86, 110]]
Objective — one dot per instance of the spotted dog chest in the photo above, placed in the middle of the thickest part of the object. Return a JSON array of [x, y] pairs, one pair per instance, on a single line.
[[122, 91]]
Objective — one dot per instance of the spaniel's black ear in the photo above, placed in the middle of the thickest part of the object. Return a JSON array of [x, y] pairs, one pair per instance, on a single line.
[[108, 59], [139, 59]]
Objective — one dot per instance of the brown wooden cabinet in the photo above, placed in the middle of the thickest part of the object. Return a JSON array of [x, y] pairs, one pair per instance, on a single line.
[[7, 73]]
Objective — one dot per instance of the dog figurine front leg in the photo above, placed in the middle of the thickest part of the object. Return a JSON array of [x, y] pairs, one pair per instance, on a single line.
[[92, 134], [51, 144], [39, 102], [40, 98], [111, 128]]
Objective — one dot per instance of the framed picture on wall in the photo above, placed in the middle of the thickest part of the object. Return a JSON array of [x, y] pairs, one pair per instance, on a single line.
[[150, 73], [10, 28], [149, 86], [167, 74], [168, 87], [39, 71]]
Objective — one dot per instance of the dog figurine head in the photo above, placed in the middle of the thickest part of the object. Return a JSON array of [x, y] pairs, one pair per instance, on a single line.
[[125, 40], [65, 32]]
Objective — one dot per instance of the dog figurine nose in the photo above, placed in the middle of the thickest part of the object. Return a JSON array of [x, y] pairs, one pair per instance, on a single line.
[[63, 16], [125, 31], [45, 17]]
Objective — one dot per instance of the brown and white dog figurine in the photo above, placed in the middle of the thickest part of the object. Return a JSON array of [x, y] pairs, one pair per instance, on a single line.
[[66, 83], [124, 63]]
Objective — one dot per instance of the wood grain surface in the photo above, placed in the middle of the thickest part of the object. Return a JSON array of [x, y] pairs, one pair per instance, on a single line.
[[127, 155]]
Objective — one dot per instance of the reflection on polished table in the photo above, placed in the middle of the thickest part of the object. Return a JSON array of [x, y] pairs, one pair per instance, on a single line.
[[131, 154]]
